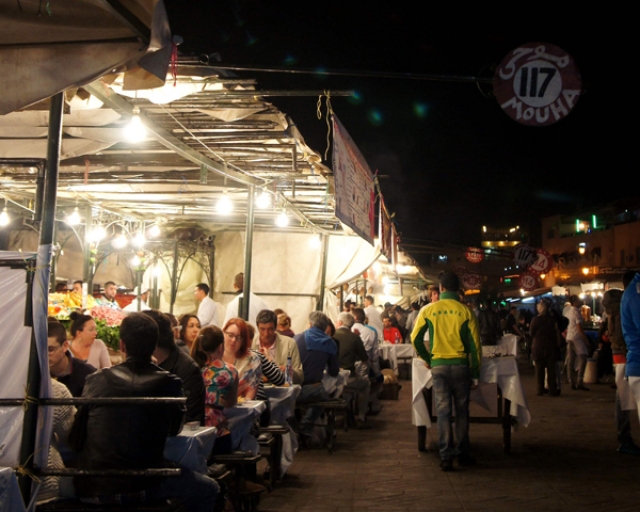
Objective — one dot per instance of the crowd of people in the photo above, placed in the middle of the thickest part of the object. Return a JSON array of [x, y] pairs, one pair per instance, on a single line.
[[214, 367]]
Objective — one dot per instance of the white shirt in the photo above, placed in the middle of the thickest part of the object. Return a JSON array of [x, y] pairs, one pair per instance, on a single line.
[[256, 304], [369, 339], [375, 320], [133, 306], [207, 312]]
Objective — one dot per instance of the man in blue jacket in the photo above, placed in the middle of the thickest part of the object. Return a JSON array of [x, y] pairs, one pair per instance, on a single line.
[[630, 317]]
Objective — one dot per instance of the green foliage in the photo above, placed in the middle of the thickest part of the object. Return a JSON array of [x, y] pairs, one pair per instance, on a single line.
[[109, 334]]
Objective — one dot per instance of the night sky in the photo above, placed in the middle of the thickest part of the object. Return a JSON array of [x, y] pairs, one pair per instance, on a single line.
[[452, 159]]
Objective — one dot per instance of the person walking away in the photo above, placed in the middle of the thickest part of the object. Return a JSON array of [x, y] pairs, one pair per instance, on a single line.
[[453, 353], [576, 344], [545, 348]]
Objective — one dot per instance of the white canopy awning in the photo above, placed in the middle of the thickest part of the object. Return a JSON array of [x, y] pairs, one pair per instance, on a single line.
[[46, 48]]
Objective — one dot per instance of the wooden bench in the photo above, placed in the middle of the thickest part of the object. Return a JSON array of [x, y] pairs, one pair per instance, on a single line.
[[75, 505], [330, 407], [271, 438], [234, 481]]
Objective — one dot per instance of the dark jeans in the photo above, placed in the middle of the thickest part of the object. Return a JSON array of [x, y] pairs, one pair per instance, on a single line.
[[623, 424], [550, 365], [451, 386]]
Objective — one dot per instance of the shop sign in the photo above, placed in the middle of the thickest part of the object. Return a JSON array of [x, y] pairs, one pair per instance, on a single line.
[[474, 254], [471, 281], [543, 262], [537, 84], [524, 255], [354, 191], [528, 282], [459, 270]]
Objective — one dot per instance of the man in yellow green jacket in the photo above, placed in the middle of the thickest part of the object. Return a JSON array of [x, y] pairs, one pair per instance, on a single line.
[[453, 352]]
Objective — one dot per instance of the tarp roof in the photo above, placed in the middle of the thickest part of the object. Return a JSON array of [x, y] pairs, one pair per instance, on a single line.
[[208, 135], [49, 47]]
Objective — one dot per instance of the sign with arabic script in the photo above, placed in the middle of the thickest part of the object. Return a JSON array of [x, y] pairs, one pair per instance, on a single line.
[[354, 192], [537, 84]]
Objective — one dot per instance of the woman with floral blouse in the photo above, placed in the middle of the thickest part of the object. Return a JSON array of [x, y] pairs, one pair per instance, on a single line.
[[220, 382]]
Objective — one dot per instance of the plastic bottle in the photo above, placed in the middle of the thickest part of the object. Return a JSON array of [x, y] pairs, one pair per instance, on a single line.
[[397, 338], [288, 372]]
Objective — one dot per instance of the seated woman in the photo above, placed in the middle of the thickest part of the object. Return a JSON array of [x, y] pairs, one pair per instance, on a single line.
[[189, 329], [220, 381], [237, 354], [84, 344]]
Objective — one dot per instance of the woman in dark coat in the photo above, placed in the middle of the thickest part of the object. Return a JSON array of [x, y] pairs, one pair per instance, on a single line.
[[545, 348]]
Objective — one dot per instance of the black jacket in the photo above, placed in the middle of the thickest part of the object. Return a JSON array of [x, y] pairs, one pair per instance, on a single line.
[[183, 366], [351, 349], [125, 436]]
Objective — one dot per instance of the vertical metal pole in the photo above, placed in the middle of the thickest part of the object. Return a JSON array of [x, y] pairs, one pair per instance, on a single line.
[[323, 276], [248, 247], [212, 266], [364, 293], [88, 269], [138, 298], [174, 277], [54, 261], [30, 423], [155, 302]]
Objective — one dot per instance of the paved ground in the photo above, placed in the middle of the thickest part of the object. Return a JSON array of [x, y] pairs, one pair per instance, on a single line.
[[566, 460]]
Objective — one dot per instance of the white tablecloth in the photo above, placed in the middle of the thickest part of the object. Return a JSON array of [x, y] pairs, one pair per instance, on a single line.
[[191, 448], [10, 497], [394, 352], [502, 371], [240, 420], [506, 346], [335, 385], [282, 401]]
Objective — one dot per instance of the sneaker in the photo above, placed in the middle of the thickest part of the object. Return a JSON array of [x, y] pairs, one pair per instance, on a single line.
[[466, 460], [629, 448], [446, 465]]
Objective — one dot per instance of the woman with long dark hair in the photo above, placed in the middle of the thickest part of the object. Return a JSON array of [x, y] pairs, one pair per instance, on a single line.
[[220, 382]]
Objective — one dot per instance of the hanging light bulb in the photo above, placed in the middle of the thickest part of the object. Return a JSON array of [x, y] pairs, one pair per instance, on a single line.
[[135, 261], [97, 234], [119, 241], [135, 131], [263, 201], [4, 217], [224, 206], [154, 231], [315, 241], [74, 218], [282, 220], [139, 240]]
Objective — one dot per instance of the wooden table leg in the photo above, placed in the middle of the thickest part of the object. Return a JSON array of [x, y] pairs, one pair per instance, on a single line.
[[506, 426], [422, 439]]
